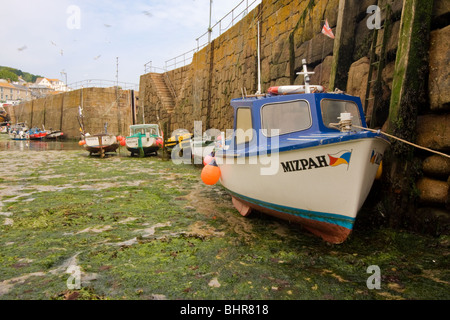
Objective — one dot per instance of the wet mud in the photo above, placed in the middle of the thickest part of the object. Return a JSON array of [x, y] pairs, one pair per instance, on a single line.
[[145, 228]]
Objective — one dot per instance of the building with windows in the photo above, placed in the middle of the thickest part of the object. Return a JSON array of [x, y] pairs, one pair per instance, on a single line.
[[54, 84], [13, 92]]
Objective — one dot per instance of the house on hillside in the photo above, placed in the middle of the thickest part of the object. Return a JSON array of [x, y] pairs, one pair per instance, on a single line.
[[54, 84], [10, 92]]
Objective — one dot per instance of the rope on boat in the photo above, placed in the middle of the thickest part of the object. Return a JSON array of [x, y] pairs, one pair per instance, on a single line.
[[402, 140]]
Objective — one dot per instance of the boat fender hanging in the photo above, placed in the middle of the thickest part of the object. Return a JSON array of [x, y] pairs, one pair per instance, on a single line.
[[379, 171], [123, 142], [210, 173], [82, 142]]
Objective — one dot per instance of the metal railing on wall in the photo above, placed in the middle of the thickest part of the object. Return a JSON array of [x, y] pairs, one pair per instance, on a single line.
[[235, 15], [101, 83]]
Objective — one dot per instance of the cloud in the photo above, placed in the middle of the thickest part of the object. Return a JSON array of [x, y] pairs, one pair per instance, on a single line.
[[145, 30]]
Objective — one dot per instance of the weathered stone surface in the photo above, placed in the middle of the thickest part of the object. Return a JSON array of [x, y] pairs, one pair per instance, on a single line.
[[314, 50], [60, 112], [439, 79], [433, 191], [436, 165], [433, 131], [357, 78], [441, 13], [321, 74]]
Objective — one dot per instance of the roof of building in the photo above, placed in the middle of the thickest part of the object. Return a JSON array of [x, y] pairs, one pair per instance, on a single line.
[[7, 85]]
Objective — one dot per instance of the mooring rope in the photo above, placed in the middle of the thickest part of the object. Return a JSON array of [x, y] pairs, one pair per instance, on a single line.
[[402, 140]]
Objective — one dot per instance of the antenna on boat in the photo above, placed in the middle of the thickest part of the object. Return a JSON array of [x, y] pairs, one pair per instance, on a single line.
[[259, 64], [306, 74]]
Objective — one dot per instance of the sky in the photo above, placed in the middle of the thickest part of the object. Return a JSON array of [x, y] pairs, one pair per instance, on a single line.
[[79, 40]]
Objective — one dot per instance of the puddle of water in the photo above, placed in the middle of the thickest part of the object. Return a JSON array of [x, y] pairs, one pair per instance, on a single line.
[[7, 144]]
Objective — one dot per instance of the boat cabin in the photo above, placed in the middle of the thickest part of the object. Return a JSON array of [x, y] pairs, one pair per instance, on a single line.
[[145, 129], [297, 120]]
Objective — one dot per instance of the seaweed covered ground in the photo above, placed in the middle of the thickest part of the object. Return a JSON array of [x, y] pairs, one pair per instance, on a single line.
[[123, 228]]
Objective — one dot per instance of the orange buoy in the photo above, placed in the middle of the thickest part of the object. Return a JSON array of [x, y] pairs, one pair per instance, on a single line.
[[119, 138], [123, 142], [210, 174], [81, 142]]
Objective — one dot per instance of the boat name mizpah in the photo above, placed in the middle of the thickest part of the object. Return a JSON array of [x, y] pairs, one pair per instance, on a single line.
[[341, 158]]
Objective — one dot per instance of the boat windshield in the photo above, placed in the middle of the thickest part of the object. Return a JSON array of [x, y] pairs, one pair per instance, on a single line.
[[287, 117], [332, 109], [151, 130]]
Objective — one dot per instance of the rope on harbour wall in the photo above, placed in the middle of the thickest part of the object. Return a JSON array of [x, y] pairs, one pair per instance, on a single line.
[[404, 141]]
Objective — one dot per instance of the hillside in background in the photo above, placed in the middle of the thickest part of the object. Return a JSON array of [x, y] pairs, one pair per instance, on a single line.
[[13, 74]]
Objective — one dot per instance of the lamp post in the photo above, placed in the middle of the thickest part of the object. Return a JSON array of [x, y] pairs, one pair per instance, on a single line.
[[65, 74], [209, 28]]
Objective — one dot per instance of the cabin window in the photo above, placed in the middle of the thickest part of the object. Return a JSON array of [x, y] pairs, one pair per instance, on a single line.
[[244, 126], [332, 109], [287, 117]]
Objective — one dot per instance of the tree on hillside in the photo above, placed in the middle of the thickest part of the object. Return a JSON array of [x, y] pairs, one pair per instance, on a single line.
[[13, 74], [8, 75]]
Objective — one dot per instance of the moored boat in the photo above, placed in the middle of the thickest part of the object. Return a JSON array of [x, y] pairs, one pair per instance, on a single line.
[[101, 143], [37, 134], [144, 139], [304, 157], [54, 134], [19, 131]]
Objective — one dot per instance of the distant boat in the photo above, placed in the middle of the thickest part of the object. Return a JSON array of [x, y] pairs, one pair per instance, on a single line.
[[37, 134], [54, 134], [101, 143], [19, 131], [144, 139], [316, 168]]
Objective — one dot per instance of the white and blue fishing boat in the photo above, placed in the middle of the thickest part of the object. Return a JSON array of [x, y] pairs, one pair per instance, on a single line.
[[19, 131], [303, 155]]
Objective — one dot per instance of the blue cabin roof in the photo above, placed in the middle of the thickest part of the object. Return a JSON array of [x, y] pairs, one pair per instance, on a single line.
[[304, 121]]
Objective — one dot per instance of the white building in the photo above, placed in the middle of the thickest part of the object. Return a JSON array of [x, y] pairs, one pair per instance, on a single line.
[[54, 84]]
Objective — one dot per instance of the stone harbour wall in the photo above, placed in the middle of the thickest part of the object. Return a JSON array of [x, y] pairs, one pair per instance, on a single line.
[[290, 32], [59, 112]]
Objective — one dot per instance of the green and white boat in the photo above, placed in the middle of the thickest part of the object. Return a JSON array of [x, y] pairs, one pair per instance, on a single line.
[[144, 139]]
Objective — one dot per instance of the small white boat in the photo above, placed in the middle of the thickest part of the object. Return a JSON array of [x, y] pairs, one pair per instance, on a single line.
[[301, 157], [101, 143], [144, 139], [19, 131]]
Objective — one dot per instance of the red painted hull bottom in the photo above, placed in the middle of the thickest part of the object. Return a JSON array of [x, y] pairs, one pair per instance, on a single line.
[[327, 231]]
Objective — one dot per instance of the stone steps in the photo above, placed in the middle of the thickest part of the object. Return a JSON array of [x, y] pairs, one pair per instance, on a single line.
[[164, 93]]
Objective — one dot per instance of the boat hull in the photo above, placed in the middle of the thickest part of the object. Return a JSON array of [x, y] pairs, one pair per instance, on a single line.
[[145, 144], [101, 144], [322, 187], [53, 135]]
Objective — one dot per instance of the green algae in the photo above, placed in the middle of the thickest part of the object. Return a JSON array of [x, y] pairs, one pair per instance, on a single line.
[[143, 228]]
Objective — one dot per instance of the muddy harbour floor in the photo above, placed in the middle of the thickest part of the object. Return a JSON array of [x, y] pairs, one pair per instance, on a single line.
[[144, 228]]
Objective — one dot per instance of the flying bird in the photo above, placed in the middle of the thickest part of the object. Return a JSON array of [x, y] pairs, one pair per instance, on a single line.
[[22, 48], [147, 13], [53, 43], [107, 25], [96, 58]]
